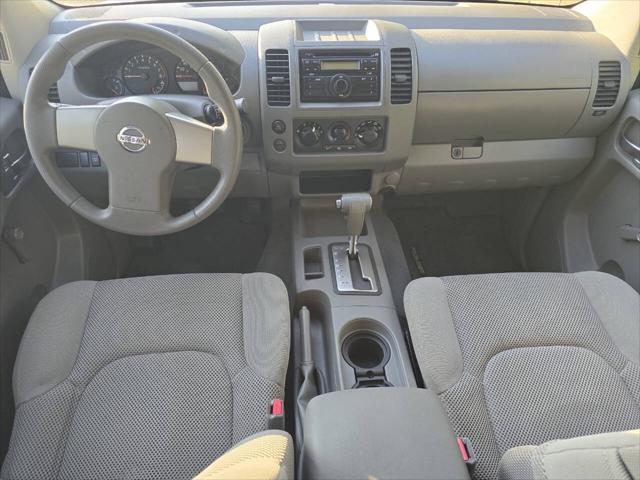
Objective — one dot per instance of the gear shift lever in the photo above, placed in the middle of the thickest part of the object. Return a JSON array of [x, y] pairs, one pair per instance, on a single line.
[[354, 206]]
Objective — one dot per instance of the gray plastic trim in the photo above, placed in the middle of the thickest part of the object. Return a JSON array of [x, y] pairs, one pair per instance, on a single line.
[[343, 315]]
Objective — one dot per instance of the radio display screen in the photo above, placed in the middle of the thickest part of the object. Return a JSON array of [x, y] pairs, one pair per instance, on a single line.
[[340, 65]]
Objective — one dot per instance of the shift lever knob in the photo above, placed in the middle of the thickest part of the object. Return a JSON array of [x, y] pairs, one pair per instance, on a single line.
[[354, 206]]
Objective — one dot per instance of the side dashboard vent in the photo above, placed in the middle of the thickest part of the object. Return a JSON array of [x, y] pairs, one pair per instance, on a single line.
[[53, 95], [608, 84], [401, 76], [278, 78], [4, 49]]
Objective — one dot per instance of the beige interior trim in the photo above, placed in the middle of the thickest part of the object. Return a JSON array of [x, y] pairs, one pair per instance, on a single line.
[[619, 20], [261, 457], [21, 40]]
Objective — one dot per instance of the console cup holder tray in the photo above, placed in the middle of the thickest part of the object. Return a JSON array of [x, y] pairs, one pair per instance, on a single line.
[[368, 353]]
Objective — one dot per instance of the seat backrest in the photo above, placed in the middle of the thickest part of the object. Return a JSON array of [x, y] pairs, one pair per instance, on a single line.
[[147, 378]]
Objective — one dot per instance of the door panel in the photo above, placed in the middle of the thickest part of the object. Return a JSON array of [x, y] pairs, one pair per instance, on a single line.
[[589, 223], [614, 220]]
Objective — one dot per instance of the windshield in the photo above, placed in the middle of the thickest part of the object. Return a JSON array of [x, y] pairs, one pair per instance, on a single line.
[[86, 3]]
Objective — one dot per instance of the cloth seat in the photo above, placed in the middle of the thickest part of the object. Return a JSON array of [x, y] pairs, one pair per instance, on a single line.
[[263, 456], [607, 456], [151, 377], [525, 358]]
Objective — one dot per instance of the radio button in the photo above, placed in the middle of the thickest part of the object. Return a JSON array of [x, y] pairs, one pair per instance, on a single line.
[[279, 145], [279, 127]]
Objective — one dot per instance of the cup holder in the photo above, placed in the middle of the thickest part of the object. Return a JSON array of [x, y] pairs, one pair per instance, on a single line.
[[367, 353]]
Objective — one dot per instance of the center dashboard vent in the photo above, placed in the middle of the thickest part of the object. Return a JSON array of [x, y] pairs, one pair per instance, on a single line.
[[401, 76], [608, 84], [278, 78]]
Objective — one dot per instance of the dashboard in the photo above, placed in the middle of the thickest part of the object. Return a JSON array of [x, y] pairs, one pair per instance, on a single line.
[[416, 97], [132, 68]]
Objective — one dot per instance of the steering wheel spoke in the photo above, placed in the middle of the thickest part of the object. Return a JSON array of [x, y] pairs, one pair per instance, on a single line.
[[194, 139], [76, 125], [127, 192]]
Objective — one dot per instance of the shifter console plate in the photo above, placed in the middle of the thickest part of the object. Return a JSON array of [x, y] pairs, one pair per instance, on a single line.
[[354, 277]]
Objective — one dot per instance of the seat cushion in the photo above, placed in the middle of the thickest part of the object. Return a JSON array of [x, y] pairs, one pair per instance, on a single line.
[[151, 377], [264, 456], [524, 358], [607, 456]]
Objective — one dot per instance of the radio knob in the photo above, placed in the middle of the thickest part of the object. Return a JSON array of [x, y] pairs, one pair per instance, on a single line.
[[309, 133], [369, 132], [340, 85]]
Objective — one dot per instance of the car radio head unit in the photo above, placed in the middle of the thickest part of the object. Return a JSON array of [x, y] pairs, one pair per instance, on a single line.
[[339, 75]]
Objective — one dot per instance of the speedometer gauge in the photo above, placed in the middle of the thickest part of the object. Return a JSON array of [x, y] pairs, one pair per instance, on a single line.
[[187, 79], [145, 74]]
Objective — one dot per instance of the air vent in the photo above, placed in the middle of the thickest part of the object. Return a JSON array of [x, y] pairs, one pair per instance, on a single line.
[[278, 81], [4, 49], [608, 84], [53, 95], [401, 76]]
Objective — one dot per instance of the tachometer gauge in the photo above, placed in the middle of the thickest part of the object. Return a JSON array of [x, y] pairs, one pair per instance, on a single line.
[[114, 86], [187, 79], [145, 74]]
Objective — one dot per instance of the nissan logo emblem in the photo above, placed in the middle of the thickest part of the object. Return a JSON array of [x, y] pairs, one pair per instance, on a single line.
[[132, 139]]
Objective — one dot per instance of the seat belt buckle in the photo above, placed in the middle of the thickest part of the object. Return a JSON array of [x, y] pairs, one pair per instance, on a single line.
[[276, 414], [467, 452]]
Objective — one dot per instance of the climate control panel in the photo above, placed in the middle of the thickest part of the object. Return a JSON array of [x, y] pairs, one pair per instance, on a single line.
[[343, 135]]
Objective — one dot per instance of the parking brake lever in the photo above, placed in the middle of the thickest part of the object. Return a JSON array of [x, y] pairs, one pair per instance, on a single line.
[[354, 206]]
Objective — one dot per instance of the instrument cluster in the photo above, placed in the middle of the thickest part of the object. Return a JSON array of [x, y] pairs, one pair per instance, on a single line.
[[152, 71]]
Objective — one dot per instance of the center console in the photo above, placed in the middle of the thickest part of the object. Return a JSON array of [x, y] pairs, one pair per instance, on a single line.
[[341, 281], [336, 95]]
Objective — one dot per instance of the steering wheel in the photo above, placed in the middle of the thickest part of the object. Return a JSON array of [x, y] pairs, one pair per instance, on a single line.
[[140, 139]]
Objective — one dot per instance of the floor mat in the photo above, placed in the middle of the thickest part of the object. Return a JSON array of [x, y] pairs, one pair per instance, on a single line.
[[225, 242], [438, 244]]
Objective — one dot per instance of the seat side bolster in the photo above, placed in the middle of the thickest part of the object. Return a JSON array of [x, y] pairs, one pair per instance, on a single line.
[[433, 333], [606, 456], [618, 306], [52, 339], [266, 322]]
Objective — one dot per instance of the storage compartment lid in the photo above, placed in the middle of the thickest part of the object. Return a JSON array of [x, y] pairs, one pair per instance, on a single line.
[[380, 433]]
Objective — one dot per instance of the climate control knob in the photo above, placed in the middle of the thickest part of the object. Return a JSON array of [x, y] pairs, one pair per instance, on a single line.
[[309, 133], [339, 132], [369, 132]]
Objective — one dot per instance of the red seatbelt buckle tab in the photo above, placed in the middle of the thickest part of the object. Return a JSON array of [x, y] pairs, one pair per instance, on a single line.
[[276, 414], [467, 453]]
